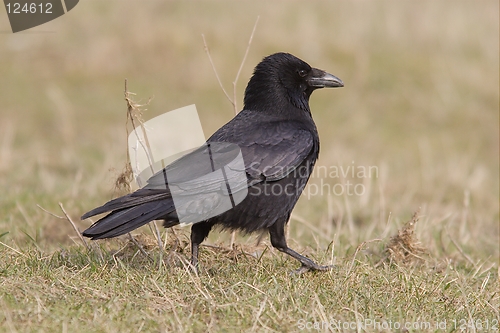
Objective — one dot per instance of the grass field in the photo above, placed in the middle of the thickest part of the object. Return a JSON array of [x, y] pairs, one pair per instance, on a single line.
[[420, 110]]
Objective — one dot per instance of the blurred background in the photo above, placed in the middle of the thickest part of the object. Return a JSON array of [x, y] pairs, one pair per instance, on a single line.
[[420, 103]]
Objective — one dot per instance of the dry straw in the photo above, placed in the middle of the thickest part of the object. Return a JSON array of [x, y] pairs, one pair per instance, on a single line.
[[404, 247]]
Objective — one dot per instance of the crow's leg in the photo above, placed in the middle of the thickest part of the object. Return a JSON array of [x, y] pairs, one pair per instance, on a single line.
[[277, 233], [199, 231]]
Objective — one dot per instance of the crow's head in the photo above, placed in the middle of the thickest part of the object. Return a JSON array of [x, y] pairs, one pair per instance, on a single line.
[[280, 79]]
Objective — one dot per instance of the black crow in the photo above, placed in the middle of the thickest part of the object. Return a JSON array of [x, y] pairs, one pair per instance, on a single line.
[[278, 140]]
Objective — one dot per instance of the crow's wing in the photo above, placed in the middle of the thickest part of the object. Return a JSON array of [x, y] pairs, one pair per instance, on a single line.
[[270, 150]]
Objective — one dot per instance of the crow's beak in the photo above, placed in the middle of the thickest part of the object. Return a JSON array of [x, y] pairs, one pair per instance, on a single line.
[[322, 79]]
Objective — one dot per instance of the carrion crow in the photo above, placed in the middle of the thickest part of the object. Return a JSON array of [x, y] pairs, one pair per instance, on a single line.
[[279, 143]]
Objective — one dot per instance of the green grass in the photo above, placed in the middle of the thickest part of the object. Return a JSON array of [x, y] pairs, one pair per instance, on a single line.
[[421, 104]]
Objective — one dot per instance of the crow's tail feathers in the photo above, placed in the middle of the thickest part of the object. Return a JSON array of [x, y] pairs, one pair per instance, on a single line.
[[130, 200], [129, 212]]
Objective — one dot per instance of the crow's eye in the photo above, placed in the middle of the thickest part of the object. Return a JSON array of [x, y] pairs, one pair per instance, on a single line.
[[302, 72]]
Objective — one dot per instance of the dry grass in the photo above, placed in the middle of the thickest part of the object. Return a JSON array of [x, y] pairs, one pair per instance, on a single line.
[[421, 104], [403, 247]]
